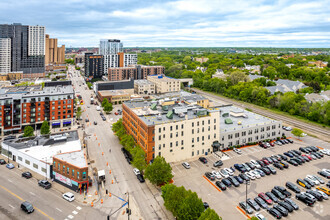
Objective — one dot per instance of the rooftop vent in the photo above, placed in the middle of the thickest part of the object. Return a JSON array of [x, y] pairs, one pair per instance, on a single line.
[[181, 115], [159, 117]]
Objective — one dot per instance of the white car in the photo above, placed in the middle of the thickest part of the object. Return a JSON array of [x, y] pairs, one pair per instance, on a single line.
[[326, 170], [288, 128], [68, 196], [259, 216], [186, 165], [216, 174], [313, 179], [303, 134], [278, 143], [255, 164], [238, 151], [224, 173], [251, 176], [324, 195], [256, 174], [267, 144], [136, 171], [229, 171], [325, 151]]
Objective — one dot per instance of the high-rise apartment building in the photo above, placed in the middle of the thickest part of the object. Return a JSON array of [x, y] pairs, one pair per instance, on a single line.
[[5, 55], [54, 54], [93, 65], [27, 48], [110, 46]]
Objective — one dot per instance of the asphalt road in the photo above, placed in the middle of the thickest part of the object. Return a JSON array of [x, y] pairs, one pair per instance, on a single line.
[[48, 204], [101, 139]]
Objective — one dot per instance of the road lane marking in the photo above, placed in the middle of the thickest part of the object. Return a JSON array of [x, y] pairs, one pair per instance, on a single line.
[[78, 207], [11, 206], [10, 180], [58, 209], [24, 200], [75, 212], [212, 183], [70, 216], [32, 193]]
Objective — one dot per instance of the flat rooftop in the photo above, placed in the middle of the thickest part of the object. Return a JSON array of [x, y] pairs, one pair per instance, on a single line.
[[76, 158], [162, 78], [113, 92], [240, 118], [143, 82], [44, 148]]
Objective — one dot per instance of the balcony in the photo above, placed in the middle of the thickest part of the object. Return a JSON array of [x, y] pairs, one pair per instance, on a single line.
[[33, 105], [8, 106], [33, 101], [47, 110]]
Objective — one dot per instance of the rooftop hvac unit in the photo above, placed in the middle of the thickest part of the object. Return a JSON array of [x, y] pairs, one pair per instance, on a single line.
[[145, 108], [181, 115], [159, 117]]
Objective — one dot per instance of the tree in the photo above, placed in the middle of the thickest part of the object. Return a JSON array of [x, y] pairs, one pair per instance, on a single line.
[[79, 112], [108, 108], [139, 160], [28, 131], [254, 218], [173, 197], [210, 214], [45, 129], [238, 76], [104, 102], [159, 171], [297, 132], [191, 208]]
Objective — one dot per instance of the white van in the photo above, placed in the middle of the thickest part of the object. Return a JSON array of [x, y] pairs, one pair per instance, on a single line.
[[98, 108]]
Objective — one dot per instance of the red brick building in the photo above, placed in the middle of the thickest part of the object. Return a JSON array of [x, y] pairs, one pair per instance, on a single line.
[[134, 72]]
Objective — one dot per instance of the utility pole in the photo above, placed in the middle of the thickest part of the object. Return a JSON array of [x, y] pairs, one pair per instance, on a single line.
[[129, 211], [247, 182]]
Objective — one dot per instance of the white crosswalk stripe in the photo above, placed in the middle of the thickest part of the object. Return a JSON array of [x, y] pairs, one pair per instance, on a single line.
[[75, 212], [78, 207], [70, 217]]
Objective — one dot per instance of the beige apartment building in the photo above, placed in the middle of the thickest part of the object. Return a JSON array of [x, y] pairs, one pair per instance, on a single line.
[[164, 84], [144, 87], [54, 54]]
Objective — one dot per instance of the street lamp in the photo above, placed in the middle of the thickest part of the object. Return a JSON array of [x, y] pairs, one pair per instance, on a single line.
[[247, 182]]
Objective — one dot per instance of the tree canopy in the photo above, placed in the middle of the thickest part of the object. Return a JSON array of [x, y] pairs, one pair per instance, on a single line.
[[45, 129], [28, 131], [159, 171], [297, 132]]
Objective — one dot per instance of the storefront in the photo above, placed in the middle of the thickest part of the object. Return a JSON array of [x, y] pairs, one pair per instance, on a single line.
[[74, 185], [66, 123]]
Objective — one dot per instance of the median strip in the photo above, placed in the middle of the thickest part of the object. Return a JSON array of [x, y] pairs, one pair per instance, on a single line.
[[243, 212], [212, 183]]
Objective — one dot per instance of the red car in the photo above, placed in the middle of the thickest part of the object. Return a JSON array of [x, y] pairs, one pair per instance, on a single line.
[[265, 198], [272, 144], [265, 162], [305, 155], [116, 113]]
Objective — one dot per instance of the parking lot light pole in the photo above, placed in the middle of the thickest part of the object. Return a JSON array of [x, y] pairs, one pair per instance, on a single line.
[[247, 182]]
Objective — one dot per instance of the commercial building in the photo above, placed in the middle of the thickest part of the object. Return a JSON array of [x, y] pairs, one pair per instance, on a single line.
[[171, 128], [239, 127], [110, 46], [71, 170], [5, 55], [144, 87], [93, 66], [113, 85], [134, 72], [11, 76], [164, 83], [54, 54], [22, 106], [115, 96], [27, 48], [37, 153]]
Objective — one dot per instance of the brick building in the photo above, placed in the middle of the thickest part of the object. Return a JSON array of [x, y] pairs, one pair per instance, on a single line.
[[134, 72]]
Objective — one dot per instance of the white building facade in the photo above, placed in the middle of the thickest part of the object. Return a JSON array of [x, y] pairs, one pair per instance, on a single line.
[[110, 46], [36, 44], [5, 55]]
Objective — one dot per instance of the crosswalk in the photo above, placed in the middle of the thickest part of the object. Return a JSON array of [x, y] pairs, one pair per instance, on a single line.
[[74, 212]]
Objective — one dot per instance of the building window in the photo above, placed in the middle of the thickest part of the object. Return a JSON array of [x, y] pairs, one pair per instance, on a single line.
[[160, 137], [159, 130], [192, 140], [192, 131], [197, 139], [177, 134], [67, 170], [209, 121], [77, 175], [192, 153], [182, 126], [35, 166], [209, 137], [72, 173], [192, 124], [177, 127], [171, 135], [43, 169], [215, 120], [198, 123], [160, 147], [27, 162], [63, 169], [84, 175], [171, 128], [58, 166], [215, 127], [177, 143], [19, 158], [215, 135], [170, 144]]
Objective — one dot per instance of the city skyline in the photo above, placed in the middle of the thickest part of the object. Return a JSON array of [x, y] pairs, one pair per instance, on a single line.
[[182, 23]]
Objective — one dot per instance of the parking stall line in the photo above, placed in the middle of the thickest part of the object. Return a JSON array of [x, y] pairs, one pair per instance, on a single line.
[[212, 183], [242, 211]]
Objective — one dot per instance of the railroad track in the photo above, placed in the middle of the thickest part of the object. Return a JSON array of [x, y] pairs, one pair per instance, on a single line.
[[322, 133]]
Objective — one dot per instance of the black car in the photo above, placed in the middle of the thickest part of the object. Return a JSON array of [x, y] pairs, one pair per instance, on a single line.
[[250, 165], [240, 167], [95, 122], [283, 157], [290, 141], [272, 197], [27, 207], [309, 182], [233, 181], [261, 163], [27, 175], [253, 204], [292, 203], [278, 194], [275, 213], [45, 184], [305, 199], [293, 162], [239, 179], [203, 160], [283, 191], [103, 118], [279, 166], [302, 149], [297, 160], [244, 176], [262, 173], [286, 205], [2, 161], [325, 174], [86, 120], [209, 176], [226, 182], [140, 178], [293, 187], [265, 170], [288, 154], [271, 169], [220, 185], [303, 159], [206, 205], [282, 210], [218, 163], [261, 202], [316, 194], [316, 155]]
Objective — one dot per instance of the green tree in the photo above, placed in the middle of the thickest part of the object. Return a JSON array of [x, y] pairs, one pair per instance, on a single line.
[[254, 218], [238, 76], [104, 102], [78, 113], [159, 171], [108, 108], [191, 208], [28, 131], [297, 132], [209, 214], [139, 160], [117, 125], [45, 129], [173, 197], [89, 85]]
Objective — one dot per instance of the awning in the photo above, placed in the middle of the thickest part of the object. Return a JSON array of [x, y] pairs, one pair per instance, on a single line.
[[56, 123], [67, 122]]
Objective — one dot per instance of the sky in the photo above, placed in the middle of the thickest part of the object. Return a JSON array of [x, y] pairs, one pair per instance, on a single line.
[[182, 23]]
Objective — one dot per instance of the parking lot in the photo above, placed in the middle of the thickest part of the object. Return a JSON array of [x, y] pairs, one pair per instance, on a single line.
[[225, 203]]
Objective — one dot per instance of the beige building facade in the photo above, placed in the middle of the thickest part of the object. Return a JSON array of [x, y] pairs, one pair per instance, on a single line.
[[164, 84], [54, 54], [144, 87]]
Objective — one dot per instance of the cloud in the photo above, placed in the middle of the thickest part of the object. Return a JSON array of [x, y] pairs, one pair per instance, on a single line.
[[199, 23]]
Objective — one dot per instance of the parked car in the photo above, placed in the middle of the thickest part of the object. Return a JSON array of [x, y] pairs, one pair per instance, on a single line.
[[279, 166], [282, 210], [261, 173], [233, 181], [26, 175], [206, 205], [283, 191], [293, 187], [257, 165], [2, 161], [311, 183], [246, 207], [284, 164], [274, 212], [319, 179], [209, 176], [313, 179], [316, 194], [305, 199], [226, 182], [229, 171], [253, 204], [322, 173], [243, 176], [324, 189], [203, 160], [68, 196], [239, 179], [240, 168], [238, 151], [44, 184], [136, 171], [256, 174], [218, 163], [27, 207], [292, 203], [260, 216], [221, 185], [261, 202], [303, 183], [10, 166], [140, 178], [216, 174], [278, 194], [265, 170], [293, 162], [272, 197], [186, 165], [250, 175], [265, 198]]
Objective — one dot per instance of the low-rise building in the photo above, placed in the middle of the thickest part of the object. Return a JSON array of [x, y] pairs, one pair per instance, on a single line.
[[323, 96], [285, 85], [171, 129], [164, 83], [71, 170], [144, 87], [134, 72], [201, 59], [113, 85], [115, 96], [11, 76], [239, 127]]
